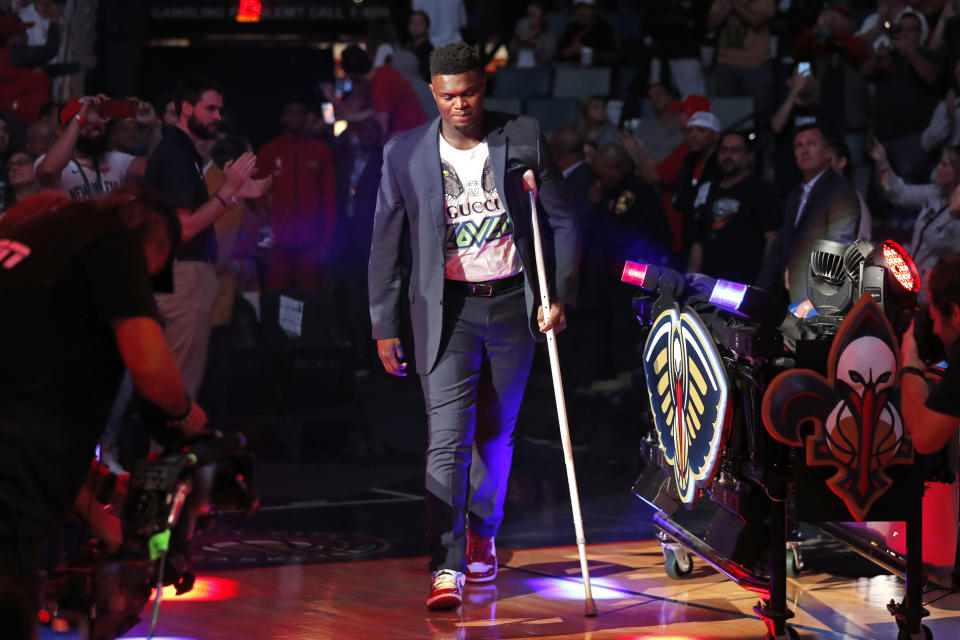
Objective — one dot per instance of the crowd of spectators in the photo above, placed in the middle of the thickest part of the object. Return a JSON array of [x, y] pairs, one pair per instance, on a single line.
[[850, 108]]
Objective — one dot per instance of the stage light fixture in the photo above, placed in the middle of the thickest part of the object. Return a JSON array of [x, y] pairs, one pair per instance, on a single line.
[[854, 257], [901, 265], [727, 294], [634, 273], [829, 289]]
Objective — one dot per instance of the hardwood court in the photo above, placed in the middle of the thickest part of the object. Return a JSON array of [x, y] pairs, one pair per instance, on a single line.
[[536, 595]]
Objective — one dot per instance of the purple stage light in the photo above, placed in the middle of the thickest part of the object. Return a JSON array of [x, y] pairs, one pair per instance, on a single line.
[[728, 294]]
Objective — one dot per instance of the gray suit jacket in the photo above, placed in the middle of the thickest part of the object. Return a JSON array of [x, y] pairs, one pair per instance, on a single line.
[[411, 198]]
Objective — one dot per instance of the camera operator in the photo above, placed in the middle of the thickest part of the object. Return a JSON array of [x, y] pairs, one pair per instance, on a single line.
[[78, 307], [933, 415]]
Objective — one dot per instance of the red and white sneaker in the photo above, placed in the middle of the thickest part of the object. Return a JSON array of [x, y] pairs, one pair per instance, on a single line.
[[447, 589], [481, 557]]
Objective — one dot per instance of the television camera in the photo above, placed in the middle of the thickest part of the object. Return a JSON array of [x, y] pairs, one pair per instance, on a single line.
[[760, 419], [99, 595]]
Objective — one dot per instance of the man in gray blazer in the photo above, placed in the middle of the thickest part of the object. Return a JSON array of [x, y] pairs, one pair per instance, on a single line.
[[823, 207], [455, 185]]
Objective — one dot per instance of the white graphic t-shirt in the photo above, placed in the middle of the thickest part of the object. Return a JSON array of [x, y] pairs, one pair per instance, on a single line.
[[81, 179], [479, 244]]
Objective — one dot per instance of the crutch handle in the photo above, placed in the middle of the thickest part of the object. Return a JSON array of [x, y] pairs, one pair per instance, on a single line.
[[530, 181]]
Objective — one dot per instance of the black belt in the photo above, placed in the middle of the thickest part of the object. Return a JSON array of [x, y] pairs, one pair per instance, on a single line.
[[489, 288]]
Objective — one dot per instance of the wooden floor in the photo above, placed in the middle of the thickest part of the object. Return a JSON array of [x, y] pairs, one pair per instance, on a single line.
[[536, 595]]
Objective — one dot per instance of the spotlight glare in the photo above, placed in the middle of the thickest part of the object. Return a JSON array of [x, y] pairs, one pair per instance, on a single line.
[[204, 589], [556, 589]]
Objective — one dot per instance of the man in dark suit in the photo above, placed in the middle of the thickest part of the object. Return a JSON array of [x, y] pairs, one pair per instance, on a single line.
[[583, 340], [455, 185], [358, 178], [823, 207]]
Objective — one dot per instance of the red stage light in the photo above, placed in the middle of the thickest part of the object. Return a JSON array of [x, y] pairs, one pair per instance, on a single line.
[[204, 589], [249, 11], [634, 273], [901, 265]]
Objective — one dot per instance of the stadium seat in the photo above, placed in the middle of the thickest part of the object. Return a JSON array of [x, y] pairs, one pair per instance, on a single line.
[[514, 82], [732, 110], [581, 82], [552, 112], [508, 105]]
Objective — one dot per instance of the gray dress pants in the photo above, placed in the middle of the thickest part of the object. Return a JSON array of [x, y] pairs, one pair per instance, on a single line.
[[473, 396]]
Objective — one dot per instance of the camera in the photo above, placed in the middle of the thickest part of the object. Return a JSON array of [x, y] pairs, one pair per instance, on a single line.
[[929, 346], [170, 498]]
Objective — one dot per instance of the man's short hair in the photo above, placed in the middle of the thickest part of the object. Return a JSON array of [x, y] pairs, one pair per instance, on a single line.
[[455, 58], [743, 135], [839, 146], [618, 155], [355, 60], [944, 285], [811, 126], [191, 89], [423, 14], [663, 85], [160, 106], [840, 149], [567, 140]]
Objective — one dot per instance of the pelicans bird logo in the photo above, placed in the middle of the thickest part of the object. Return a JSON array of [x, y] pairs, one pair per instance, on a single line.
[[687, 385], [854, 411]]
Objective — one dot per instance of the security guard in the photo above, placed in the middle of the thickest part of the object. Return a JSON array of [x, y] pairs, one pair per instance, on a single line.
[[632, 223]]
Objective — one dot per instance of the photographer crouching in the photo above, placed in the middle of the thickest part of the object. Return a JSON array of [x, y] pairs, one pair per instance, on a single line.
[[76, 293], [932, 414]]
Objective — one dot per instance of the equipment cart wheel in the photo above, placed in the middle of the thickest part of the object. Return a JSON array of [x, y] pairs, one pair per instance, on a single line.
[[678, 563], [790, 635], [925, 634]]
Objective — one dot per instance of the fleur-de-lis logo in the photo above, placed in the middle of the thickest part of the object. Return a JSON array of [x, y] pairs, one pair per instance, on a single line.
[[854, 411], [687, 385]]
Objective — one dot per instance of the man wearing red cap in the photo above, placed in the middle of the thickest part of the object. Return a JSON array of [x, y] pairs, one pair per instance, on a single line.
[[666, 170], [662, 133], [79, 164]]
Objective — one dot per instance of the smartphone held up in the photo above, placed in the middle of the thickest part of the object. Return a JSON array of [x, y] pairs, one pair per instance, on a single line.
[[118, 109]]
